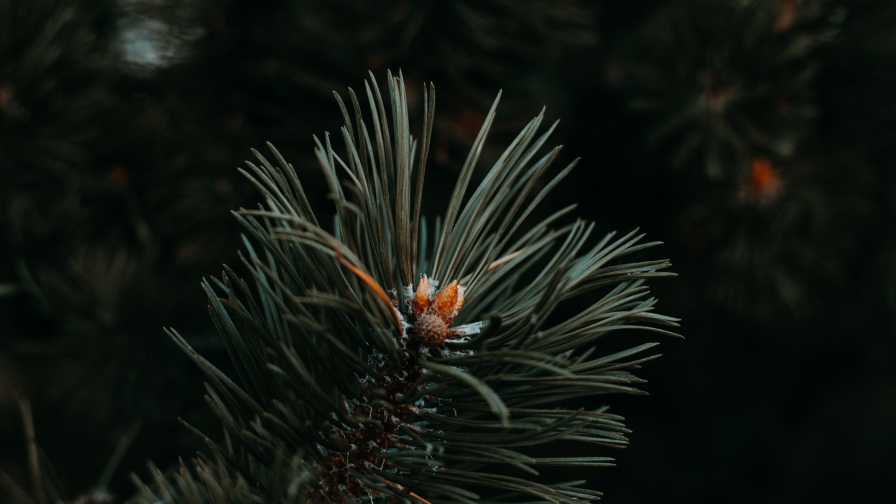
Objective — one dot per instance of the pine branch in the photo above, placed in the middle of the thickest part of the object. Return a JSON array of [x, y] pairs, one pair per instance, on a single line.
[[726, 81], [361, 351]]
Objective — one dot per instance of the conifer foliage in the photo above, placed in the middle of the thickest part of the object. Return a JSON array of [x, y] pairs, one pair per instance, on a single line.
[[53, 79], [394, 359], [731, 92], [728, 80]]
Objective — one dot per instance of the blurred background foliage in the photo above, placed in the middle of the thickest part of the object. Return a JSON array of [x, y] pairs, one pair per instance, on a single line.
[[754, 137]]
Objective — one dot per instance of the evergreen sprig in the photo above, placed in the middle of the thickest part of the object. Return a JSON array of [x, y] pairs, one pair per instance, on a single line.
[[730, 80], [363, 351]]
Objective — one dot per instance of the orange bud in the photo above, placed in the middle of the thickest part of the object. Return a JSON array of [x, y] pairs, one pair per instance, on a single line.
[[445, 302], [421, 298], [764, 177]]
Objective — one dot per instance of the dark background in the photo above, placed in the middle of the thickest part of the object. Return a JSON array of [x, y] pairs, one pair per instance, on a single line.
[[756, 138]]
